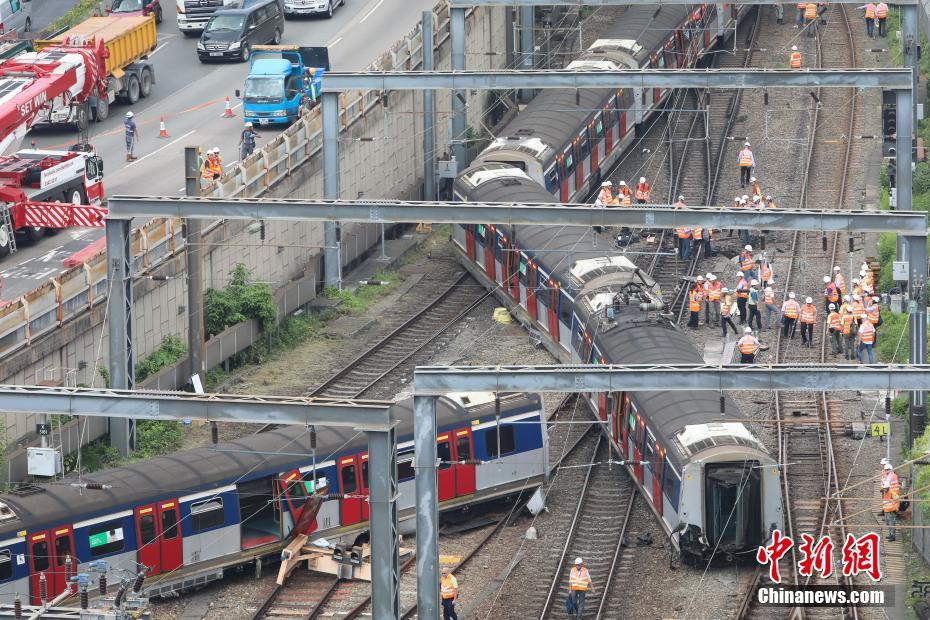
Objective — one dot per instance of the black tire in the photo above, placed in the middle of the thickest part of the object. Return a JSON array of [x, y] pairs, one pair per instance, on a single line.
[[276, 39], [102, 109], [28, 27], [158, 15], [82, 117], [5, 237], [146, 83], [246, 52], [329, 10], [34, 233], [133, 90]]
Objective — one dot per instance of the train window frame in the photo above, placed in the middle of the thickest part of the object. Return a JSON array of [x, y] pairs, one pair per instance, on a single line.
[[312, 476], [568, 160], [364, 470], [523, 269], [464, 437], [171, 529], [445, 460], [110, 547], [62, 551], [508, 441], [584, 145], [672, 492], [402, 468], [6, 565], [577, 337], [205, 513], [599, 130], [151, 529], [352, 479], [552, 179], [565, 308]]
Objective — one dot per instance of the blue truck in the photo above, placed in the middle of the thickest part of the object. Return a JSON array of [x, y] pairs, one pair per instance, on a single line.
[[283, 81]]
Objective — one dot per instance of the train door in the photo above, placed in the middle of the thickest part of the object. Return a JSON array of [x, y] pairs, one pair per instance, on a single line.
[[658, 467], [172, 549], [470, 241], [149, 554], [464, 472], [602, 406], [582, 164], [511, 261], [563, 180], [554, 298], [523, 273], [39, 563], [636, 445], [487, 237], [597, 146], [624, 423], [531, 278], [48, 552], [649, 458], [350, 510], [363, 484], [446, 474], [609, 117], [568, 160], [498, 240]]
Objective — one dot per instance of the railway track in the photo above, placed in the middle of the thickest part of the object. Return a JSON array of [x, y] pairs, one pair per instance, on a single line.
[[805, 420], [300, 597]]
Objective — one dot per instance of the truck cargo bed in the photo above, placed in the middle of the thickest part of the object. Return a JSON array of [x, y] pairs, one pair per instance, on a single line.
[[128, 39]]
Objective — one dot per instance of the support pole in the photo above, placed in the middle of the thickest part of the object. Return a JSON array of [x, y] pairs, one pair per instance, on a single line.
[[429, 113], [917, 326], [331, 189], [527, 46], [385, 572], [425, 456], [904, 155], [459, 118], [122, 362], [909, 41], [193, 251]]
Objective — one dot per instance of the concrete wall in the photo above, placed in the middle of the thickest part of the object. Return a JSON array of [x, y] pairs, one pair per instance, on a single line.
[[388, 166]]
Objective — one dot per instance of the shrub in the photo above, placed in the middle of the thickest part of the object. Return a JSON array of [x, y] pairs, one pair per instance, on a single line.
[[238, 301], [168, 352]]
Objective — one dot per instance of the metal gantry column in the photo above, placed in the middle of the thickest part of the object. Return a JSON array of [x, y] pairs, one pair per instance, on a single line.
[[331, 187], [429, 113], [122, 355], [909, 41], [193, 252], [904, 157], [527, 46], [917, 326], [459, 112], [427, 502], [385, 571]]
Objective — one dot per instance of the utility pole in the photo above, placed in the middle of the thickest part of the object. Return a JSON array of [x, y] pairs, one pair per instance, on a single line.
[[429, 114], [193, 252]]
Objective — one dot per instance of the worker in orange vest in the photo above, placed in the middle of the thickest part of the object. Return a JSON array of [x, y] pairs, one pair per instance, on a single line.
[[800, 15], [727, 311], [713, 290], [858, 309], [866, 341], [642, 191], [794, 60], [835, 327], [881, 13], [790, 311], [624, 194], [748, 346], [869, 18], [449, 590], [742, 294], [755, 186], [747, 162], [684, 242], [747, 263], [768, 299], [849, 329], [695, 301], [839, 281], [873, 313], [605, 195], [810, 18], [831, 294], [808, 318], [891, 503], [579, 580]]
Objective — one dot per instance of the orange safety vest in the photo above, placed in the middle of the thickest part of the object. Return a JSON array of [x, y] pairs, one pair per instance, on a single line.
[[891, 500], [846, 319], [833, 319], [696, 297], [881, 10], [625, 199], [791, 308], [757, 189], [766, 272], [447, 586], [613, 202], [211, 167], [642, 191], [801, 5], [831, 293], [726, 306], [808, 314], [870, 11], [840, 283], [769, 297], [873, 314], [683, 233], [605, 195], [578, 578], [745, 261], [697, 233], [795, 60], [858, 310], [745, 157], [810, 11], [714, 291], [867, 332], [742, 288], [748, 345]]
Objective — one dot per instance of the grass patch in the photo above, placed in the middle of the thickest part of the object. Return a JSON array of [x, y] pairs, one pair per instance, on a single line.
[[171, 349], [357, 301], [78, 13]]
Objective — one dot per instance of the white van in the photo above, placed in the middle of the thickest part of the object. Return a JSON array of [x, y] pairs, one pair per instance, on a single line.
[[15, 16]]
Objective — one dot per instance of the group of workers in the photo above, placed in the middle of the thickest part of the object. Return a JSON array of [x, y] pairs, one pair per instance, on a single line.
[[809, 12], [852, 324], [875, 12], [624, 196]]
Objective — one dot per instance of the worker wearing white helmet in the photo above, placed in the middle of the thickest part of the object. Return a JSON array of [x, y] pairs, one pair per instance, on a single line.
[[807, 319], [748, 346], [873, 312], [605, 195], [579, 580], [747, 263], [771, 308], [713, 290], [746, 161], [642, 191], [831, 294], [741, 290], [839, 281], [790, 311], [131, 133], [212, 169], [754, 304], [835, 329]]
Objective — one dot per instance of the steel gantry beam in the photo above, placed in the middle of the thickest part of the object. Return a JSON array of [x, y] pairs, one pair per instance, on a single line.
[[627, 78], [399, 211]]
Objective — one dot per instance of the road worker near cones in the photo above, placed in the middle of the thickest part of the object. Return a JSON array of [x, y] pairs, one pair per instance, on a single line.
[[605, 195], [831, 294], [579, 582], [810, 18], [747, 264], [790, 311], [713, 290], [624, 195], [742, 294], [212, 169], [728, 310], [131, 133], [881, 14], [748, 346], [449, 591], [839, 281], [794, 59], [695, 301], [808, 319], [869, 18], [746, 161], [247, 141], [835, 328], [642, 191]]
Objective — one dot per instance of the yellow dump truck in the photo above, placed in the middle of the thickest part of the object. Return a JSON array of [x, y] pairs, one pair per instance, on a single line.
[[128, 41]]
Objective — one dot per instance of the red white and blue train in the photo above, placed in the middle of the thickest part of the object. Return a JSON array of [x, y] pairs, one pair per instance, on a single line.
[[714, 486], [190, 515]]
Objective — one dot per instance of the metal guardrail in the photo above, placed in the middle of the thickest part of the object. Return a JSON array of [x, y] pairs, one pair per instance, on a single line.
[[80, 288]]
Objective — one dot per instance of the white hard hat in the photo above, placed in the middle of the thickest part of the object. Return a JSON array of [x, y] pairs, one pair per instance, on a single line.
[[832, 306], [579, 561], [129, 114], [745, 196], [888, 466], [216, 149], [846, 297], [862, 273], [699, 279], [642, 179], [856, 298], [876, 299], [752, 179], [836, 269], [768, 197], [794, 48], [736, 199], [865, 265], [745, 144], [248, 124], [708, 275], [855, 281], [754, 283], [606, 184], [711, 277], [622, 183], [884, 460], [739, 274], [748, 330], [681, 197], [748, 248], [743, 200], [826, 279], [790, 295], [808, 300], [724, 290]]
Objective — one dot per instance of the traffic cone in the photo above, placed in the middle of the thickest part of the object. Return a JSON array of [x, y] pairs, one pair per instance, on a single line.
[[162, 130], [227, 113]]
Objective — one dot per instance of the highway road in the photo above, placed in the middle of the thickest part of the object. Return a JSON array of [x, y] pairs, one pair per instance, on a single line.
[[191, 96]]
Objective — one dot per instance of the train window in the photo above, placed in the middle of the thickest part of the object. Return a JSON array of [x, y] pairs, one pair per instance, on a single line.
[[348, 479], [552, 179], [576, 337], [365, 473], [62, 549], [481, 230], [207, 514], [463, 446], [169, 523], [671, 485], [569, 161], [147, 531], [599, 126], [521, 273], [40, 555], [405, 470], [311, 482], [508, 442], [626, 99], [444, 453], [6, 565], [565, 309], [584, 146], [104, 538]]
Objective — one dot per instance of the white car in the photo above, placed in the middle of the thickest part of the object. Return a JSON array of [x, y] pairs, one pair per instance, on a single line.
[[311, 7]]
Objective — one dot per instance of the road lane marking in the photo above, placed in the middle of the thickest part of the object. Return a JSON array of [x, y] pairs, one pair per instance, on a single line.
[[144, 157], [333, 44], [158, 49], [367, 15]]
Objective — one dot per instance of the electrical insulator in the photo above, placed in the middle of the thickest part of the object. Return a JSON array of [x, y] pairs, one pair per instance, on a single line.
[[313, 437], [765, 98], [95, 486], [261, 230], [85, 597], [43, 588], [723, 404], [823, 242], [119, 596], [214, 433], [68, 569], [137, 586], [102, 585], [888, 407], [17, 608], [852, 244]]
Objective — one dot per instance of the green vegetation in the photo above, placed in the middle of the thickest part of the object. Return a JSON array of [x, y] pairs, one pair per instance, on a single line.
[[157, 437], [355, 302], [240, 300], [94, 456], [168, 352], [78, 13]]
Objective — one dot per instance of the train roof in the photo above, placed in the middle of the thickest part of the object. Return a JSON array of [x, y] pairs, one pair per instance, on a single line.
[[201, 469], [648, 26]]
